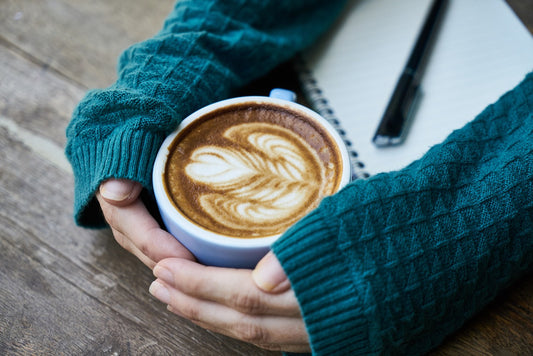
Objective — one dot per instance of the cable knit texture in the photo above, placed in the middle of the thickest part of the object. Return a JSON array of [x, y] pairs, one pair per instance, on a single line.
[[395, 263], [391, 264]]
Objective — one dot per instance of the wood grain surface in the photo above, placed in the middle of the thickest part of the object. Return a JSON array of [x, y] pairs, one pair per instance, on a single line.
[[70, 291]]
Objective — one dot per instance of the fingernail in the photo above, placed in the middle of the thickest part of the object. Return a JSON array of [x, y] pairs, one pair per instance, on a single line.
[[116, 189], [159, 291], [268, 274], [164, 274]]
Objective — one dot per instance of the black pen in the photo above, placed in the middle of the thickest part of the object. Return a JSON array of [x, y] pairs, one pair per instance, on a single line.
[[395, 120]]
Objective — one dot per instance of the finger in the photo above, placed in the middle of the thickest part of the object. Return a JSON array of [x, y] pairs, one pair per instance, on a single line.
[[269, 276], [233, 288], [293, 348], [120, 192], [255, 329], [137, 229], [288, 346], [129, 246]]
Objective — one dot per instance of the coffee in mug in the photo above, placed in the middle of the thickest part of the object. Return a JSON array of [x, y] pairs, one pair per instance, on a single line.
[[238, 173]]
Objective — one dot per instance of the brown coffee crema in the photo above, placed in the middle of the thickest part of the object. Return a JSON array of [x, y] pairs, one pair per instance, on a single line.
[[251, 171]]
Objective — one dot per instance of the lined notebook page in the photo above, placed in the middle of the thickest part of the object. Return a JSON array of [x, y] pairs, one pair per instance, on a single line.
[[481, 51]]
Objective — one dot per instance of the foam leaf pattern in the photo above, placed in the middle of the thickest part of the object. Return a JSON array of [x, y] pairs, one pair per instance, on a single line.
[[267, 176]]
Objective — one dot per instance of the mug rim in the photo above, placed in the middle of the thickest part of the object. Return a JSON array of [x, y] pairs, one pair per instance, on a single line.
[[196, 230]]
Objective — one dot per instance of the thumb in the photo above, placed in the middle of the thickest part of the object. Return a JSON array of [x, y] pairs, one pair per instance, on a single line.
[[269, 276], [120, 192]]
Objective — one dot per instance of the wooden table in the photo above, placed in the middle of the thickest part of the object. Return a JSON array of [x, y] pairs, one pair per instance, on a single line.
[[66, 290]]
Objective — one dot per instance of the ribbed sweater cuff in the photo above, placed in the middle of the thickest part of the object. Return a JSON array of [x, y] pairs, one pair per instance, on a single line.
[[124, 154], [335, 324]]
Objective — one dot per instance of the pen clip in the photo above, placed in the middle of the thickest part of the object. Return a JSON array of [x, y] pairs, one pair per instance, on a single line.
[[410, 109]]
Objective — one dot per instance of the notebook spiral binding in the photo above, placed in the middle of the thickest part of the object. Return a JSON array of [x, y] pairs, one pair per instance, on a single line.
[[320, 104]]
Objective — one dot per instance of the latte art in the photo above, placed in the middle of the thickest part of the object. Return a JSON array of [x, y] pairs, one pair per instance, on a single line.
[[260, 181], [250, 171]]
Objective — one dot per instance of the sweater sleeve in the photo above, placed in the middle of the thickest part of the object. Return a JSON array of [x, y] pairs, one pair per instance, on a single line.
[[395, 263], [205, 50]]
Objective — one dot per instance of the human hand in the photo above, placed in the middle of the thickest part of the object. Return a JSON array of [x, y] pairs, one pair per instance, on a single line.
[[257, 306], [133, 226]]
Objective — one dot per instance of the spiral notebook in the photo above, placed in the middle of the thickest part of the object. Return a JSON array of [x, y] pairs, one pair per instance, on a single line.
[[481, 50]]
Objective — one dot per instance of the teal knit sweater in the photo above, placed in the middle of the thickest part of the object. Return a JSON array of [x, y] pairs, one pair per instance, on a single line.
[[391, 264]]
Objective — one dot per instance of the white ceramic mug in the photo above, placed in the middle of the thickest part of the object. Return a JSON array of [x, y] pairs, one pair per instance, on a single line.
[[211, 248]]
